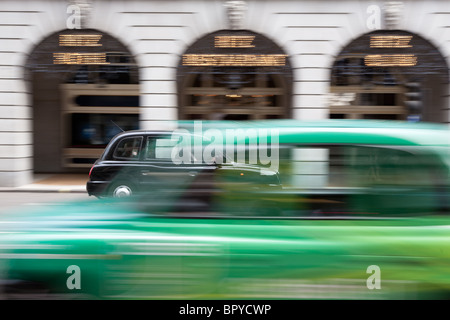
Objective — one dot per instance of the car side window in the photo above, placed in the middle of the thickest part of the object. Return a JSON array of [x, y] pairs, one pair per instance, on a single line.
[[355, 180], [128, 149], [159, 148]]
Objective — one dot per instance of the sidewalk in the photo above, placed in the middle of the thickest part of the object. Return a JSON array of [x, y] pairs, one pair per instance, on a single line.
[[67, 182]]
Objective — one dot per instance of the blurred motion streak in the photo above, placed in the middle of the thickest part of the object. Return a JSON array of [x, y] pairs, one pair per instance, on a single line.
[[348, 195]]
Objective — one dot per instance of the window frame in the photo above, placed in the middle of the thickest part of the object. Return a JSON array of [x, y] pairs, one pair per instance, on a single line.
[[119, 158]]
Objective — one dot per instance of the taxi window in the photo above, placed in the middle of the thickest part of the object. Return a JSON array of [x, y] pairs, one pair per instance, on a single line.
[[159, 148], [128, 149], [369, 181]]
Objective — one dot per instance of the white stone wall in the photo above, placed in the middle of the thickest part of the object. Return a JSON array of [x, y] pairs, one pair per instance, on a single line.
[[158, 32], [21, 27]]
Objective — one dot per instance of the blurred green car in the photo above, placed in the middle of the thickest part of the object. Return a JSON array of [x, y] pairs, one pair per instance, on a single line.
[[363, 214]]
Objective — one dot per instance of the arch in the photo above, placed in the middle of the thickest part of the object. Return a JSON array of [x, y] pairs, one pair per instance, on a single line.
[[234, 75], [389, 74], [83, 82]]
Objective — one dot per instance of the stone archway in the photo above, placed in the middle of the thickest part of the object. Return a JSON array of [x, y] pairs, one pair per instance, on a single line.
[[390, 75], [84, 82]]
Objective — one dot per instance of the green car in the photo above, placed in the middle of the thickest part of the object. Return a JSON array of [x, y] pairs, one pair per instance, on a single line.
[[362, 213]]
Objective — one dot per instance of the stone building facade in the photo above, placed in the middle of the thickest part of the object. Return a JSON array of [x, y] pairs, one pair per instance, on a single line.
[[71, 70]]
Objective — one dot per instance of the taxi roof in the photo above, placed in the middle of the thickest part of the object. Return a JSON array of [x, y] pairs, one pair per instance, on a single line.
[[385, 132]]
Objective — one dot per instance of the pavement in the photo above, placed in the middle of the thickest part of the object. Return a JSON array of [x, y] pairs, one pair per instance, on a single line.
[[67, 182]]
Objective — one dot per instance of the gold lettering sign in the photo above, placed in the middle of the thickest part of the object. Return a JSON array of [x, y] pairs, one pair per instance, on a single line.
[[79, 58], [234, 60], [234, 41], [390, 60], [80, 40], [390, 41]]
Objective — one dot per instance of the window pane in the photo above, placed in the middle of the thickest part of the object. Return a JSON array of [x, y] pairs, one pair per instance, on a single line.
[[352, 180], [128, 149], [97, 129], [160, 148]]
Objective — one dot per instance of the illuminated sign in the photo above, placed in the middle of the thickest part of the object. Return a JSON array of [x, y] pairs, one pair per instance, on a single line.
[[79, 58], [390, 60], [80, 40], [390, 41], [234, 41], [235, 50], [234, 60]]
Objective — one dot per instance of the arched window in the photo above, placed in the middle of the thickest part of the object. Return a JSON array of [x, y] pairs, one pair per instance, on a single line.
[[389, 74], [236, 75], [85, 86]]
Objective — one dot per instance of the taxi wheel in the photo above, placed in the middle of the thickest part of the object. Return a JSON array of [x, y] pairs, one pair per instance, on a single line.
[[122, 189]]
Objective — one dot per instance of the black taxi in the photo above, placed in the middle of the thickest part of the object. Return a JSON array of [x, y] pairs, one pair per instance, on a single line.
[[136, 162]]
